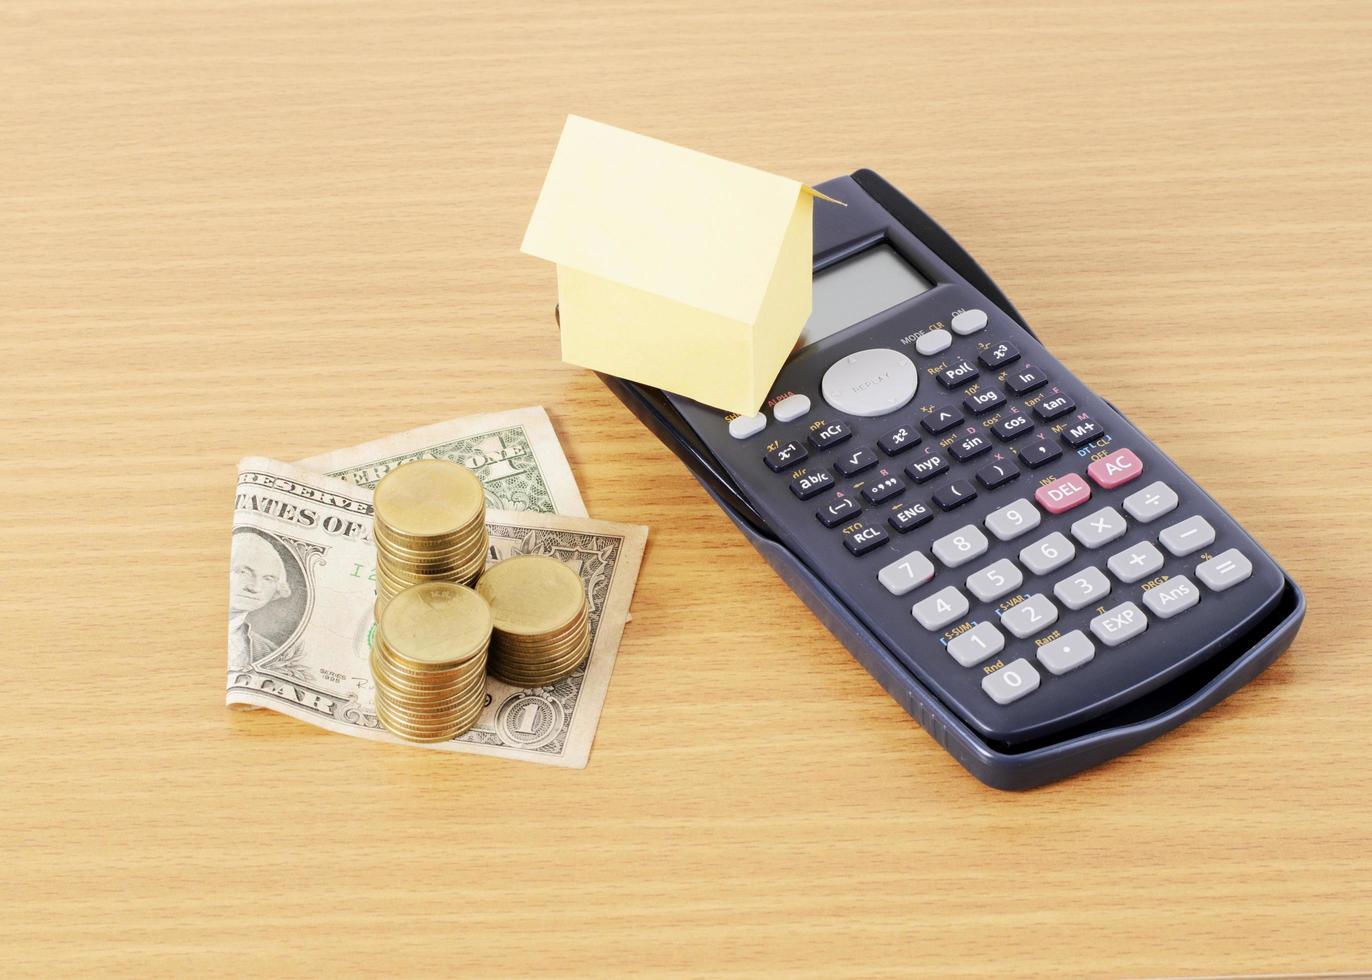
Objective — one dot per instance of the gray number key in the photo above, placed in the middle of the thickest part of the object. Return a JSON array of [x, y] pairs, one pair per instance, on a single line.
[[1102, 527], [960, 547], [1188, 536], [1151, 502], [1047, 554], [940, 609], [1119, 624], [1175, 595], [1136, 562], [907, 573], [1066, 653], [1033, 615], [1012, 520], [1225, 569], [1011, 682], [981, 641], [1079, 590], [995, 580]]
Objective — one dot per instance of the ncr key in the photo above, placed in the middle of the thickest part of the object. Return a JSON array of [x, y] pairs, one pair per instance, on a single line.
[[830, 435]]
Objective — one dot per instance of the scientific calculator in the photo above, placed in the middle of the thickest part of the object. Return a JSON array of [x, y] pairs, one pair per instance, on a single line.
[[1015, 561]]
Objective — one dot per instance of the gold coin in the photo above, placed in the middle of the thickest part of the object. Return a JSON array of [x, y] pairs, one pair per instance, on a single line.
[[428, 497], [527, 681], [435, 625], [513, 673], [461, 717], [532, 657], [531, 594], [443, 734], [511, 641], [427, 717], [384, 660], [431, 700], [437, 549], [417, 690], [432, 719]]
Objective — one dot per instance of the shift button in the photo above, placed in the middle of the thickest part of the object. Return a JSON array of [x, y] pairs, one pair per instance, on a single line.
[[791, 408], [747, 425], [870, 382]]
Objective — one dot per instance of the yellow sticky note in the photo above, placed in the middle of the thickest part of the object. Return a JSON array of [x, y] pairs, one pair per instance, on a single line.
[[674, 268]]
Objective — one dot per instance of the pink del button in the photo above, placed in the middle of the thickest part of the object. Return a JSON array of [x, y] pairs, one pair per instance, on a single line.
[[1116, 469], [1063, 494]]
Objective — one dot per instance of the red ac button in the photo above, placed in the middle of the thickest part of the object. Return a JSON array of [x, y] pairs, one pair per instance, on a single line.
[[1116, 469]]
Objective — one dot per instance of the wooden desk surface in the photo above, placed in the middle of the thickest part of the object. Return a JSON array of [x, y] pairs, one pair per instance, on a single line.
[[243, 227]]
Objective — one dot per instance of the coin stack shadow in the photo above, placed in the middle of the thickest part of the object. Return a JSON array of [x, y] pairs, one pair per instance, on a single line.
[[541, 619], [429, 525], [428, 661]]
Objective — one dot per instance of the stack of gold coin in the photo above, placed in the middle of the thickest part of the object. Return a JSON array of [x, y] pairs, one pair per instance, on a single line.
[[542, 625], [429, 661], [430, 526]]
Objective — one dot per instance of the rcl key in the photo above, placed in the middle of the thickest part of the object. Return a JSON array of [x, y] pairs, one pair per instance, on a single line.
[[864, 539]]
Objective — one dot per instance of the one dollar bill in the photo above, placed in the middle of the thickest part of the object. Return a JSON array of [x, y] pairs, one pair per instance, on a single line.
[[302, 592], [516, 454]]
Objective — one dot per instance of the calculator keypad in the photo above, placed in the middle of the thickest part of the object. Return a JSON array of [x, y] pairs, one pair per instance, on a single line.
[[856, 461], [945, 606], [1099, 529], [1033, 591]]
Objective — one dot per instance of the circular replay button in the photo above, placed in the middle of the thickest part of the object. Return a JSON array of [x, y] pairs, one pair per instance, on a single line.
[[870, 382]]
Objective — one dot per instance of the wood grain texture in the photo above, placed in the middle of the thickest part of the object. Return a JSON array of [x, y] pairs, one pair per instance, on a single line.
[[279, 228]]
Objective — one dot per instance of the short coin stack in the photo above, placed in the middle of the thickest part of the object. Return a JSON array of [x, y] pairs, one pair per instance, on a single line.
[[542, 625], [429, 661], [430, 526]]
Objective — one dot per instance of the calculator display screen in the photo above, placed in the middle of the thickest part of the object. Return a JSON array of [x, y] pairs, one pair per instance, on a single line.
[[850, 291]]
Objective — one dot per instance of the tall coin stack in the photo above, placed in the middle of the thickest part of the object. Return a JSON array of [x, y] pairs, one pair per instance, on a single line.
[[542, 624], [430, 526], [429, 661]]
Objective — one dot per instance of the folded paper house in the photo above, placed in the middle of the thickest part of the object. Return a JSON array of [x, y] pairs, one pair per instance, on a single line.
[[674, 268]]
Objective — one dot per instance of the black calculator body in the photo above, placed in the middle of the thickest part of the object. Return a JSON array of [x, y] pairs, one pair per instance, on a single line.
[[1017, 564]]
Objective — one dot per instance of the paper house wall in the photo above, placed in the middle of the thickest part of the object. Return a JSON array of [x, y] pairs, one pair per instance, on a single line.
[[674, 268]]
